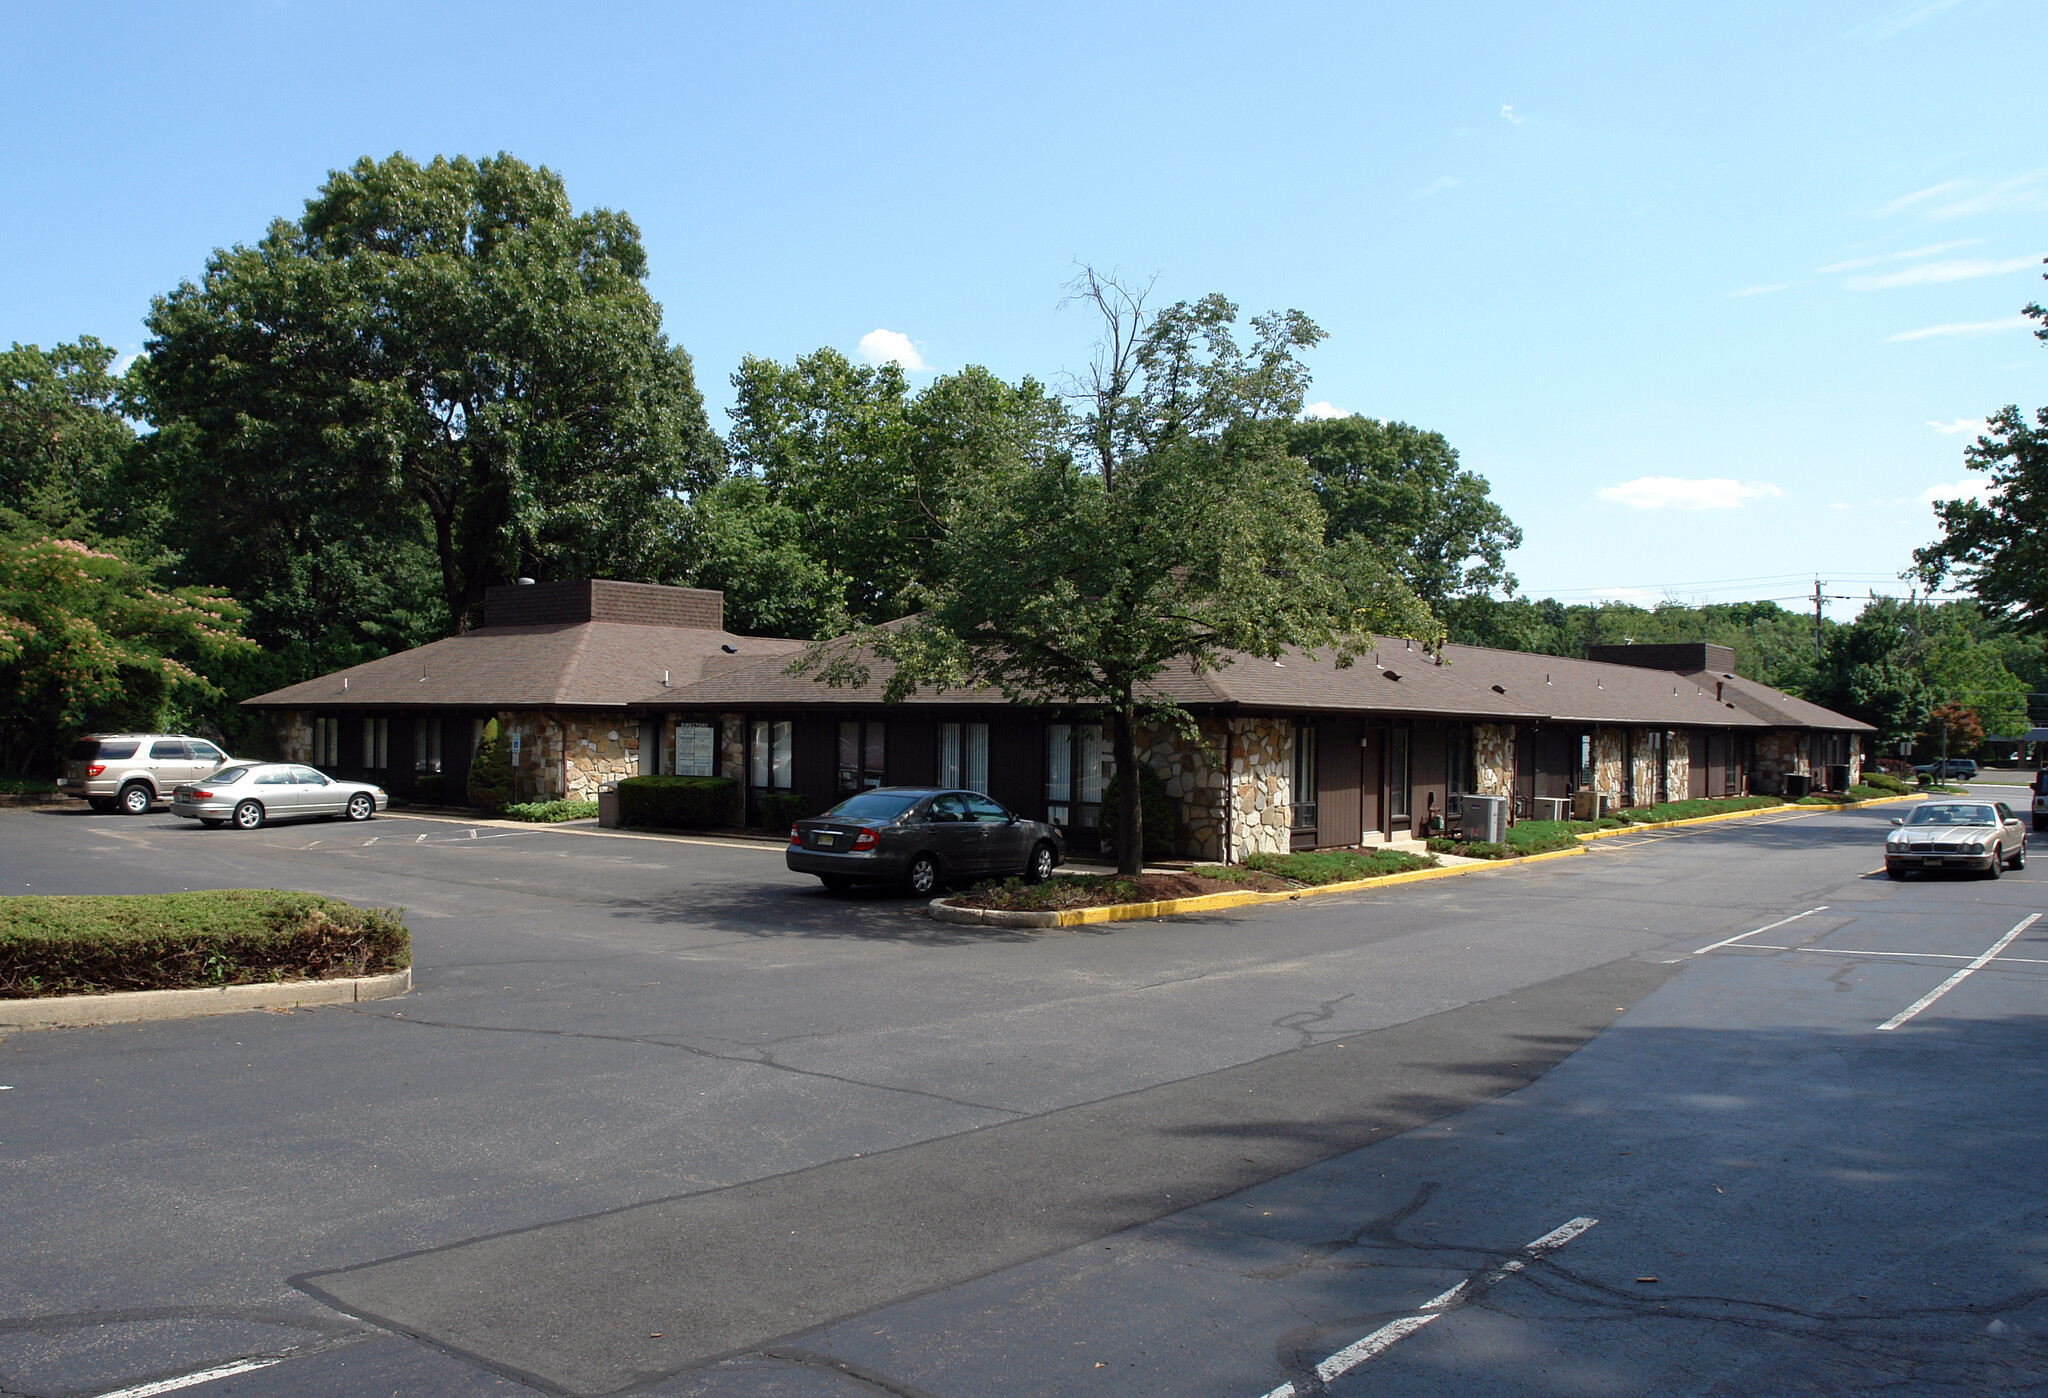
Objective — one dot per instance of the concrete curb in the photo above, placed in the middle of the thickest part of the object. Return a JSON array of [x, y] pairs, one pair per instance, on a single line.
[[1718, 816], [132, 1006], [944, 911]]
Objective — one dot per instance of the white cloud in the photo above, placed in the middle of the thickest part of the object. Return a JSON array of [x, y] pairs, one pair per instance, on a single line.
[[1855, 262], [1439, 185], [1762, 290], [1958, 269], [1838, 505], [1961, 329], [1955, 427], [1958, 198], [1678, 493], [1324, 410], [1904, 18], [1961, 490], [1509, 113], [890, 347]]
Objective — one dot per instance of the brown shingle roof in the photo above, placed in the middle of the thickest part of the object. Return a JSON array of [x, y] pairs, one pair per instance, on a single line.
[[591, 664]]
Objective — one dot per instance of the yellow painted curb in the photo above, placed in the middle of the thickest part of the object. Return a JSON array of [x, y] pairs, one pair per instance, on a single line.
[[1210, 902], [1780, 809]]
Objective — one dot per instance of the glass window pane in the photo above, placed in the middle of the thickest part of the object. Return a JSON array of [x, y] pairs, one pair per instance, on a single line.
[[1397, 772], [1059, 763], [757, 756], [167, 750], [986, 810], [783, 765], [977, 757], [949, 755], [1095, 763], [849, 757], [873, 753]]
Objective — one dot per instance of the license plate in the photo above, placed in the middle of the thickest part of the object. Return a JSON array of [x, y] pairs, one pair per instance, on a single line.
[[824, 839]]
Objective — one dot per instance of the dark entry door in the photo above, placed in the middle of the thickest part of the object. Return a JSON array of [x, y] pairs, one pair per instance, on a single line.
[[1372, 809]]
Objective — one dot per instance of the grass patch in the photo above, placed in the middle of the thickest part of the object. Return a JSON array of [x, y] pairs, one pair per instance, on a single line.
[[550, 812], [1471, 849], [169, 941], [1695, 808], [26, 786], [1543, 836], [1336, 865]]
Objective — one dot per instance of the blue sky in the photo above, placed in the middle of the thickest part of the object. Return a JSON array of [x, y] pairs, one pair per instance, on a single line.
[[1712, 298]]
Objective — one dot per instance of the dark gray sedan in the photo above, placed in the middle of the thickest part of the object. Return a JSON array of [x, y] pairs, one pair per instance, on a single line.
[[922, 837]]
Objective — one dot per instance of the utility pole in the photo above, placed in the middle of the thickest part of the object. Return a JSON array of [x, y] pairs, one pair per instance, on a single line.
[[1816, 619]]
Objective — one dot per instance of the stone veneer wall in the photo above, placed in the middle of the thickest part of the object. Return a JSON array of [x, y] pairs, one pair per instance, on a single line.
[[1780, 752], [1193, 773], [569, 756], [1253, 803], [294, 730], [1493, 754], [1261, 789], [1607, 764], [1678, 764], [1643, 764], [1855, 758]]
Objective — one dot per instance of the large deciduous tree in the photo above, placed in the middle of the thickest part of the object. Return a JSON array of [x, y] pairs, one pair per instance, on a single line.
[[1401, 490], [64, 445], [1166, 524], [436, 368], [1998, 546]]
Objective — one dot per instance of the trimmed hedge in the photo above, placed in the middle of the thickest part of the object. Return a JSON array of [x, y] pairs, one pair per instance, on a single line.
[[550, 812], [780, 808], [689, 802], [96, 945], [1336, 866]]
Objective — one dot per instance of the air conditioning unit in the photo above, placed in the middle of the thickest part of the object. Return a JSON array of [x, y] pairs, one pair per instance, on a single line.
[[1552, 808], [1454, 807], [1486, 818]]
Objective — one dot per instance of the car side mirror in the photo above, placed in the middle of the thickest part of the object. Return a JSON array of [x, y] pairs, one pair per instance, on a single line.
[[1897, 821]]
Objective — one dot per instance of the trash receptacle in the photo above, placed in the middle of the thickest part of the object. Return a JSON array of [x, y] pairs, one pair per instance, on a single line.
[[608, 807], [1485, 818]]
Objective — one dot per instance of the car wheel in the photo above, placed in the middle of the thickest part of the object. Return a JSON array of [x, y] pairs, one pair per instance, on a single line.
[[1040, 867], [922, 876], [2040, 824], [835, 883], [211, 824], [249, 815], [2019, 857], [361, 806], [1997, 862], [135, 798], [105, 804]]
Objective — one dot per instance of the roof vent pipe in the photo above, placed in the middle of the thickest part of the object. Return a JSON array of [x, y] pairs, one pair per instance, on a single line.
[[1717, 691], [344, 681], [664, 679]]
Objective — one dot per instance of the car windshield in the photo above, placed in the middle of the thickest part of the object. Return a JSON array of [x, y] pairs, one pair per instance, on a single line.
[[872, 805], [1953, 815], [227, 776]]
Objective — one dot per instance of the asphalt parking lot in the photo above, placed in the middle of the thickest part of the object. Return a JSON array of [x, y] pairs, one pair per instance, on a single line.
[[663, 1117]]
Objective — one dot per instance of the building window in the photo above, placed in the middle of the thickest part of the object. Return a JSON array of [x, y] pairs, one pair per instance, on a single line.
[[768, 759], [1731, 769], [1460, 778], [1584, 776], [696, 749], [376, 743], [426, 745], [1302, 815], [963, 755], [1397, 774], [1628, 767], [326, 742], [1077, 762], [862, 749]]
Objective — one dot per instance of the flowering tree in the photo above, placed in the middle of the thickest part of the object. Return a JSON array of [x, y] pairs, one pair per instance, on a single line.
[[88, 640]]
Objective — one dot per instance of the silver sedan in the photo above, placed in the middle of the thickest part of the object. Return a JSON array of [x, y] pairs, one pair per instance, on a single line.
[[1981, 835], [252, 794]]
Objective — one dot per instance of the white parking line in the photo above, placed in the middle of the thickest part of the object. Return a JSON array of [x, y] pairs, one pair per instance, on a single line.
[[1959, 977], [224, 1371], [1384, 1338], [1729, 941], [1915, 955]]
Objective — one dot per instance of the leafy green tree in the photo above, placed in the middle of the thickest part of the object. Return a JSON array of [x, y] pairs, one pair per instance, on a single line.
[[868, 470], [1872, 672], [1169, 526], [436, 378], [1401, 490], [1998, 546], [89, 639], [490, 770], [64, 444], [741, 540], [1954, 729]]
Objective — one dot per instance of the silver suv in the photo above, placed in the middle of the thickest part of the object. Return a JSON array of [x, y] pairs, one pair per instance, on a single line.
[[130, 771]]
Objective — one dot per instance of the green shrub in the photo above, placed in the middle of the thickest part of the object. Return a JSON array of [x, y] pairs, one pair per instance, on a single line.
[[1336, 865], [165, 941], [25, 786], [426, 788], [1542, 836], [550, 812], [1886, 781], [1471, 849], [685, 802], [780, 808], [1154, 804], [490, 771]]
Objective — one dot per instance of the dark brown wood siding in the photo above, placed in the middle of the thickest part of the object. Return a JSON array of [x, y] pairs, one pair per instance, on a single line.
[[1429, 772], [913, 750], [1016, 762], [1696, 763], [813, 757], [1338, 818]]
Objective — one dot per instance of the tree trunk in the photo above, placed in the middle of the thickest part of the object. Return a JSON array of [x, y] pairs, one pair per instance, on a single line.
[[1130, 822]]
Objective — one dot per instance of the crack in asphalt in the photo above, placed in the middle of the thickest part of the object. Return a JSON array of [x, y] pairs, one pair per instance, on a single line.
[[811, 1359], [1302, 1022], [750, 1060]]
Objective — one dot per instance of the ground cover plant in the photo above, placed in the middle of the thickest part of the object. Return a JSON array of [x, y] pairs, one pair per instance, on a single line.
[[1104, 890], [26, 786], [95, 945], [550, 812], [1471, 849], [1694, 808], [1336, 865]]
